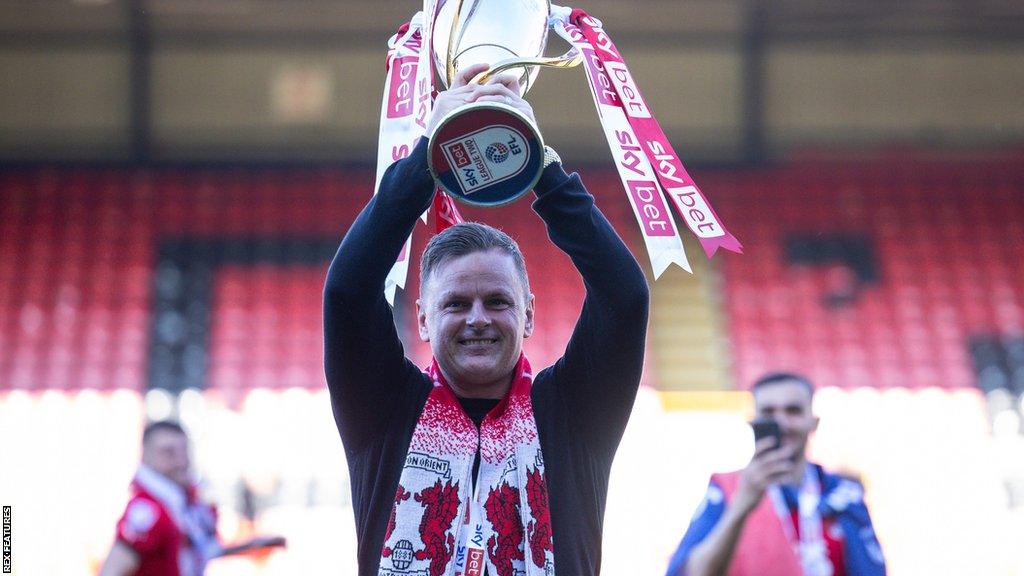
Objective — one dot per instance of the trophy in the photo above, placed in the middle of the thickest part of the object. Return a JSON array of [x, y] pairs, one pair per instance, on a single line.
[[489, 153]]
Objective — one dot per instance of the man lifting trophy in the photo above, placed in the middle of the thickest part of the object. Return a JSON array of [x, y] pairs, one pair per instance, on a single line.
[[480, 465], [490, 153]]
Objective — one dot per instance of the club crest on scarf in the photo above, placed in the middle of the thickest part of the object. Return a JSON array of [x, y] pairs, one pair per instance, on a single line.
[[427, 530]]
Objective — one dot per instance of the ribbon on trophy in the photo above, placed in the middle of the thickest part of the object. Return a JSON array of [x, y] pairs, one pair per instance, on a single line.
[[646, 161], [647, 164], [405, 110]]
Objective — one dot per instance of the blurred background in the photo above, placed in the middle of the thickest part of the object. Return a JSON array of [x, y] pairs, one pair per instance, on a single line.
[[176, 174]]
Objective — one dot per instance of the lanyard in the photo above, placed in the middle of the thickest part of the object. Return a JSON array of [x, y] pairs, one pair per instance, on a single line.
[[470, 559], [809, 545]]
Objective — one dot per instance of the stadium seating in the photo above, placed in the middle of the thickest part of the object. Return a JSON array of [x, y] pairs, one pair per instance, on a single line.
[[112, 280], [86, 269], [83, 281], [948, 242]]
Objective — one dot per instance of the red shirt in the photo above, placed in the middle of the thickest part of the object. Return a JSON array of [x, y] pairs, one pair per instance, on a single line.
[[149, 528]]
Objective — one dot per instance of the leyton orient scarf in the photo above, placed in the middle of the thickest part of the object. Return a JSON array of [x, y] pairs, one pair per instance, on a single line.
[[440, 525]]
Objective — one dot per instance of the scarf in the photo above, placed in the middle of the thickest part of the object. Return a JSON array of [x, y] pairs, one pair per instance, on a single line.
[[195, 520], [440, 525]]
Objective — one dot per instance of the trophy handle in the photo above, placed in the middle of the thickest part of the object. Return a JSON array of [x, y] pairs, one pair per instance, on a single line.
[[450, 61], [568, 60]]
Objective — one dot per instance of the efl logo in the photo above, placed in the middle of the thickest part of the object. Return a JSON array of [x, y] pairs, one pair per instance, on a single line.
[[485, 157], [632, 102], [654, 215], [400, 92], [496, 153]]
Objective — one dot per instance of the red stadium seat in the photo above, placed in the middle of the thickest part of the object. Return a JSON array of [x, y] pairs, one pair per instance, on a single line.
[[945, 249], [78, 247]]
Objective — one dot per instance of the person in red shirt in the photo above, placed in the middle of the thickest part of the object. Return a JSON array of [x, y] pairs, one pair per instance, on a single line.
[[165, 529]]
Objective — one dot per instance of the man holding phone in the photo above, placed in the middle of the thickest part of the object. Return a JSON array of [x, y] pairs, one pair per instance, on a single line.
[[781, 515]]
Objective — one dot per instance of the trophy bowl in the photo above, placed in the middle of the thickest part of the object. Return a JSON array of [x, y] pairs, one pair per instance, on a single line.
[[489, 153], [492, 32]]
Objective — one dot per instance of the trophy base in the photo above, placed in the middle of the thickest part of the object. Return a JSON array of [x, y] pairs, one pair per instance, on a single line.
[[486, 154]]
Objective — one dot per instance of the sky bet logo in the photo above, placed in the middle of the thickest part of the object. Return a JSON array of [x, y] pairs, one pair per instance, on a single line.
[[490, 155], [475, 562], [628, 93], [401, 88]]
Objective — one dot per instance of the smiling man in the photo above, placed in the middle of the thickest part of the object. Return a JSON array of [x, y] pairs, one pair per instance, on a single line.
[[476, 308], [479, 465], [782, 515]]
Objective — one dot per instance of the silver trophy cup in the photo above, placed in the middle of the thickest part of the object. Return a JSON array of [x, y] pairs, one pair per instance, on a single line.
[[488, 153]]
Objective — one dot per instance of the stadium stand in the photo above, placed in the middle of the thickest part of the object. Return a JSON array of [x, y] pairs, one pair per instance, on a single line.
[[211, 278], [935, 266], [206, 278], [121, 288]]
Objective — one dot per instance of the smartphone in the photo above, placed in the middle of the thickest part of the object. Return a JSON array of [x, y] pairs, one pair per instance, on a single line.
[[767, 428]]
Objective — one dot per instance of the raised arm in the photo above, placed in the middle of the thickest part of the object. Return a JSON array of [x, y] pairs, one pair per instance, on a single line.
[[600, 371], [713, 554], [363, 356]]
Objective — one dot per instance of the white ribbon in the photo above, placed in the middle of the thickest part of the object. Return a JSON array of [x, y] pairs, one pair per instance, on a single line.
[[408, 96], [473, 535], [652, 212]]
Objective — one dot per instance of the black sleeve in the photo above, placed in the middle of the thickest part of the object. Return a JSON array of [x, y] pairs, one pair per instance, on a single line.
[[600, 372], [364, 361]]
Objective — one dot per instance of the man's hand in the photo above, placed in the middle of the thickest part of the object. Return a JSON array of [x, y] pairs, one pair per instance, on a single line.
[[768, 466], [503, 88]]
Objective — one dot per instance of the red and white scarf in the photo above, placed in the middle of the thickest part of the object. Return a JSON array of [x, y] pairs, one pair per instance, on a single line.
[[195, 519], [439, 524]]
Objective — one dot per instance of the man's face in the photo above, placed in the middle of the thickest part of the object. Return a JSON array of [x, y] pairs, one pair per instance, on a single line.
[[789, 404], [475, 314], [166, 452]]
